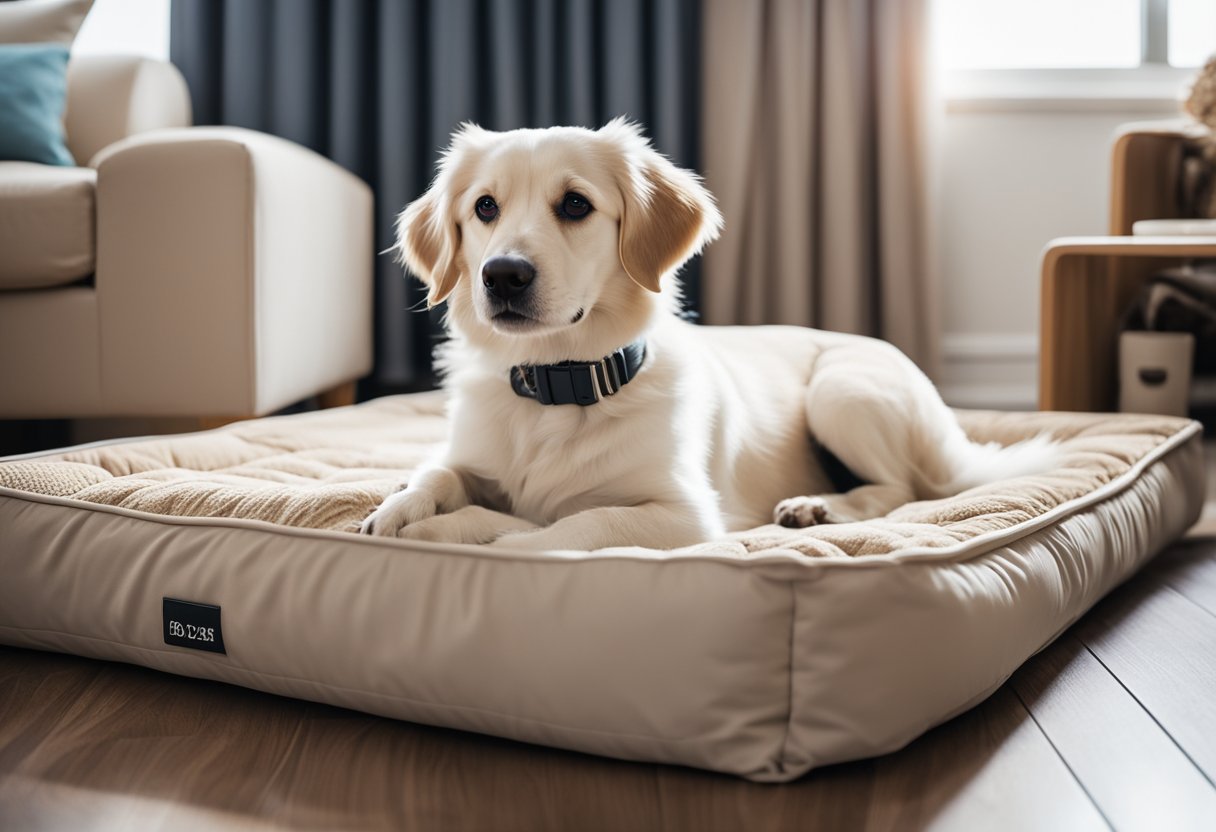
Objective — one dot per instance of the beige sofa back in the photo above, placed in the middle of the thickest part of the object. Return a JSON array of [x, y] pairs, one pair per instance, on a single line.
[[111, 97]]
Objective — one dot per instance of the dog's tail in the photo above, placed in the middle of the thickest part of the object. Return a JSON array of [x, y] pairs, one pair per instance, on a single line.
[[972, 463]]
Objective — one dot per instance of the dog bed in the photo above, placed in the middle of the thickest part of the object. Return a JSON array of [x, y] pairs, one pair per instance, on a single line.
[[764, 654]]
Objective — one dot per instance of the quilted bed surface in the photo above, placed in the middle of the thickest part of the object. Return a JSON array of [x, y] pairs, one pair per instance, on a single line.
[[763, 655], [329, 470]]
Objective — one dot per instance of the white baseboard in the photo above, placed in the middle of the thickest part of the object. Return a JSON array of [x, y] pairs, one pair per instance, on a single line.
[[981, 347], [997, 371], [990, 396]]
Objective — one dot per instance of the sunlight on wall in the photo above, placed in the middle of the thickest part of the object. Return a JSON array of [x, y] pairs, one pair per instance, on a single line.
[[125, 27]]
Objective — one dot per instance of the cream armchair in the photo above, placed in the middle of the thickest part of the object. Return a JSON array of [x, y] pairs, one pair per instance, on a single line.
[[180, 271]]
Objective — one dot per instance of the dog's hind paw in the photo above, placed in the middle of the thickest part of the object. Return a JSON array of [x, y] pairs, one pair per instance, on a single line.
[[800, 512]]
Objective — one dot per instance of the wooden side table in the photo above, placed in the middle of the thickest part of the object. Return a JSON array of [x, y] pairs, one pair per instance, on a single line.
[[1088, 284]]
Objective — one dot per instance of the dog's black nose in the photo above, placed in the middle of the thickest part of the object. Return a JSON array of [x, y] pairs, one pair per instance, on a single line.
[[507, 277]]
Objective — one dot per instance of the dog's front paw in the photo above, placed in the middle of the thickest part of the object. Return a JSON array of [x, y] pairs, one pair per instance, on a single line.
[[524, 541], [471, 524], [433, 530], [800, 512], [398, 511]]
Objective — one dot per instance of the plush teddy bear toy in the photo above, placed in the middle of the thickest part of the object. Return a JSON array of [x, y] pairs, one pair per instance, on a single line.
[[1199, 160]]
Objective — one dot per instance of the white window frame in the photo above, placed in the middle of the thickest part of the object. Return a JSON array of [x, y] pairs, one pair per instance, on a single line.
[[1154, 87], [1154, 32]]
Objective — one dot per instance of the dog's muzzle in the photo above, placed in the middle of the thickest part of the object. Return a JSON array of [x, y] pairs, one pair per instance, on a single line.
[[507, 277]]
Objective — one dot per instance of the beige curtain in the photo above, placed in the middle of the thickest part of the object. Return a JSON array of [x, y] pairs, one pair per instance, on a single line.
[[813, 139]]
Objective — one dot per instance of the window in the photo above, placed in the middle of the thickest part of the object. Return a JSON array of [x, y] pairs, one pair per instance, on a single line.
[[1076, 34], [1191, 31], [127, 27]]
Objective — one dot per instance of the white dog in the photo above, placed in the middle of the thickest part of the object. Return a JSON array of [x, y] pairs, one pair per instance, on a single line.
[[586, 414]]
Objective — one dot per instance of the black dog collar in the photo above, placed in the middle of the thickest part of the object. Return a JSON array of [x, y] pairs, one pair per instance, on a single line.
[[579, 382]]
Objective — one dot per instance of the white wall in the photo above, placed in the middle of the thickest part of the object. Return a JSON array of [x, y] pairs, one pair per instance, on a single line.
[[1014, 174]]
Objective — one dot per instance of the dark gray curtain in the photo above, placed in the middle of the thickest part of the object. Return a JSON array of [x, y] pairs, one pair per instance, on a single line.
[[378, 85]]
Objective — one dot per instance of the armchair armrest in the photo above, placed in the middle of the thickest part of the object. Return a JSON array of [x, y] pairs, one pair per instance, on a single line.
[[111, 97], [234, 272]]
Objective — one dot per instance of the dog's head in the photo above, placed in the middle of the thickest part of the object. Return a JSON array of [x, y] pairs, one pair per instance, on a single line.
[[561, 238]]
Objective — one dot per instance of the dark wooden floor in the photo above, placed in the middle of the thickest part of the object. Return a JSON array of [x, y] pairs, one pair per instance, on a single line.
[[1114, 725]]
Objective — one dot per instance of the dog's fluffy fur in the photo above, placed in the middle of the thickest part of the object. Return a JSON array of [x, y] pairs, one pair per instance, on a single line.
[[715, 433]]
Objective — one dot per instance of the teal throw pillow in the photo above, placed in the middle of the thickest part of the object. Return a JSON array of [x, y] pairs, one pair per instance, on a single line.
[[33, 91]]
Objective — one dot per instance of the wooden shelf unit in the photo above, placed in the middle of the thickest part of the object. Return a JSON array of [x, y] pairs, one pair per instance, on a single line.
[[1146, 171], [1088, 284]]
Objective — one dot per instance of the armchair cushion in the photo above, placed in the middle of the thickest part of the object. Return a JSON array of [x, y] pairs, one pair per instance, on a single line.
[[46, 224], [42, 21]]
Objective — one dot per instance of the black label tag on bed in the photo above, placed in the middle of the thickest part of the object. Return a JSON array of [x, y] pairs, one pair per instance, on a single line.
[[197, 626]]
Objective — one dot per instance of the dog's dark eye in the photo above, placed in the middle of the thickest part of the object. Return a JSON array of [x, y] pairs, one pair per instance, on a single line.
[[487, 209], [574, 206]]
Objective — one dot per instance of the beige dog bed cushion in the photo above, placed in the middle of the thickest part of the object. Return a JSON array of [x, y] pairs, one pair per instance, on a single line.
[[764, 654]]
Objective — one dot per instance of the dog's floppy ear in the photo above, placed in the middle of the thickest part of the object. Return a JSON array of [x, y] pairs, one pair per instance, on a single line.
[[668, 214], [428, 242], [428, 236]]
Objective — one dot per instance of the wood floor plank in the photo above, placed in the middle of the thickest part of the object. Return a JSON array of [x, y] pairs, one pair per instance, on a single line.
[[1161, 646], [834, 797], [34, 707], [179, 752], [156, 738], [1189, 567], [136, 748], [991, 769], [1131, 768], [31, 805], [373, 773]]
